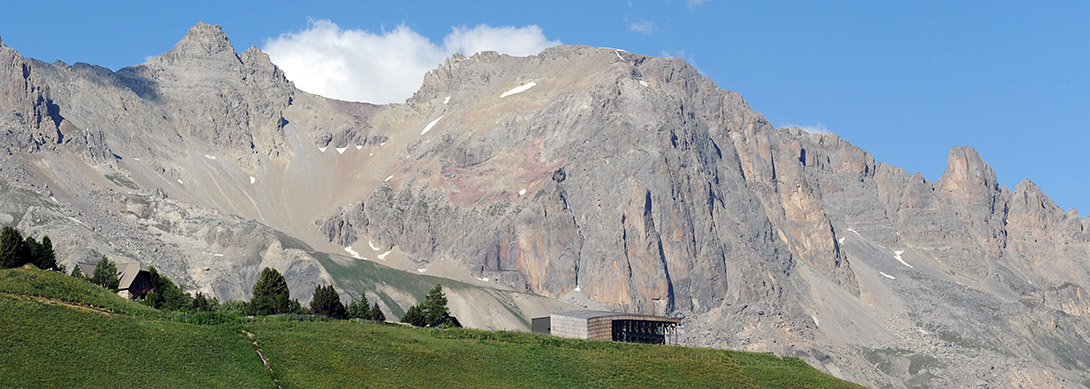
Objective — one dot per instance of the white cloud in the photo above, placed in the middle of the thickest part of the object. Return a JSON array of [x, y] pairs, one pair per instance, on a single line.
[[385, 67], [815, 129], [522, 41], [696, 3], [646, 27]]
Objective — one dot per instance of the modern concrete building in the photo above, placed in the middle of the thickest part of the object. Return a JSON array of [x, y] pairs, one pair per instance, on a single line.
[[603, 325]]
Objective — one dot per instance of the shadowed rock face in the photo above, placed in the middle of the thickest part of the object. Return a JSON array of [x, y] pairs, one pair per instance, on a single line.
[[630, 180]]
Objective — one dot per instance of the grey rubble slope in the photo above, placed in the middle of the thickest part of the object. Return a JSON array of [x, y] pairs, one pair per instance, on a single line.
[[629, 180]]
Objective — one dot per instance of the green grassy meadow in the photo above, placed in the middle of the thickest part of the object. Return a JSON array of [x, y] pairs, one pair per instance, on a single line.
[[60, 331]]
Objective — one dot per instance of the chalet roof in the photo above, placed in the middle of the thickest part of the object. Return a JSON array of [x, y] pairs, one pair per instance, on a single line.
[[126, 272]]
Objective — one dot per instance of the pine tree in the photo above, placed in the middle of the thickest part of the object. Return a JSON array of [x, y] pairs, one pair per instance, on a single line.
[[376, 314], [413, 316], [327, 302], [358, 309], [14, 251], [34, 249], [434, 308], [271, 295], [78, 273], [165, 294], [203, 304], [46, 257], [105, 274]]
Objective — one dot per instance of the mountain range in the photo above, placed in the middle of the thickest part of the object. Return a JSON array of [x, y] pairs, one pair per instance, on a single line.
[[580, 177]]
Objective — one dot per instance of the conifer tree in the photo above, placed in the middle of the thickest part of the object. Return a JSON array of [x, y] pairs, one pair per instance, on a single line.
[[358, 309], [376, 314], [327, 302], [14, 251], [105, 274], [46, 258], [271, 295]]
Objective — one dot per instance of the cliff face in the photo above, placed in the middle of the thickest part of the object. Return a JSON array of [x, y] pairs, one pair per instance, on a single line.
[[580, 174]]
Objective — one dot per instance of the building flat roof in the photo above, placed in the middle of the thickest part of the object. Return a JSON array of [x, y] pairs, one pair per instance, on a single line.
[[631, 316]]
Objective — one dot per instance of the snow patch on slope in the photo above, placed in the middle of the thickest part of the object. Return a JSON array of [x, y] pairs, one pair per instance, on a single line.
[[521, 88], [429, 126], [887, 275], [352, 252], [897, 256]]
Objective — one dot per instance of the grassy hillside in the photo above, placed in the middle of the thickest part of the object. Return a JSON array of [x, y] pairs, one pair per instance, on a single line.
[[60, 331]]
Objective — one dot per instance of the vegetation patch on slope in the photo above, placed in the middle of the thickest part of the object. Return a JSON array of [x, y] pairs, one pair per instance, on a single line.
[[352, 354]]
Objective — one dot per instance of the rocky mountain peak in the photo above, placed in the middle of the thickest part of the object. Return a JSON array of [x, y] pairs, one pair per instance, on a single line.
[[966, 173], [203, 40]]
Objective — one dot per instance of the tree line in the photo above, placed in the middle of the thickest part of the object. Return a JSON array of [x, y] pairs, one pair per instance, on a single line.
[[16, 251], [271, 296]]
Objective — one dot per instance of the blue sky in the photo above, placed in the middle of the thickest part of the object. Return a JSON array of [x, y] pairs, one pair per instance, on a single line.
[[904, 80]]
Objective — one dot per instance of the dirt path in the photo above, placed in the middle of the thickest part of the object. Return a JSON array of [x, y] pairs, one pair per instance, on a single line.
[[50, 300]]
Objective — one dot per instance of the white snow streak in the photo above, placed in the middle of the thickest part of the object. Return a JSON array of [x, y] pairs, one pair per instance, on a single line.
[[136, 159], [217, 255], [212, 157], [383, 255], [387, 179], [322, 149], [841, 240], [358, 147], [618, 55], [644, 83], [897, 256], [373, 247], [180, 182], [485, 279], [429, 126], [252, 180], [577, 288], [815, 320], [352, 252], [446, 100], [424, 269], [340, 150], [887, 275], [522, 88], [522, 191], [856, 232]]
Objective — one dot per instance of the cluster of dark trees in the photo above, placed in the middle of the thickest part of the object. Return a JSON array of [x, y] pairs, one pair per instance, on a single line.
[[16, 252], [327, 302], [271, 297], [432, 312]]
